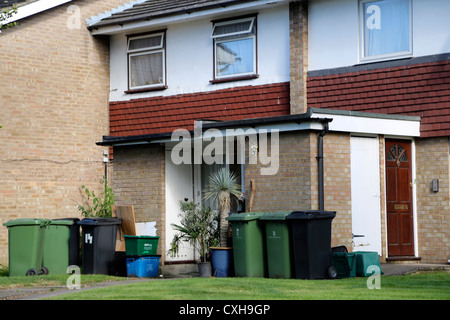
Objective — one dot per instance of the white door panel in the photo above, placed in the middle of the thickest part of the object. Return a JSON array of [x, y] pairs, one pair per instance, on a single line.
[[366, 207], [178, 187]]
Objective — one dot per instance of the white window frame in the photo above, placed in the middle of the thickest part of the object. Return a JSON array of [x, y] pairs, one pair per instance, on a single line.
[[233, 36], [224, 23], [387, 56], [144, 51]]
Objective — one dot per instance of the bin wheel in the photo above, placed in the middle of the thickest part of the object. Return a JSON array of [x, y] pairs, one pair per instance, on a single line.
[[32, 272], [332, 272], [44, 271]]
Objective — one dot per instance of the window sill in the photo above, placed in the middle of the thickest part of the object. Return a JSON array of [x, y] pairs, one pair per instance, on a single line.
[[383, 58], [158, 88], [238, 78]]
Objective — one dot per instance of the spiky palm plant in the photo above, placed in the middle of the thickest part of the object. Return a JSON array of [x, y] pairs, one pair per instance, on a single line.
[[222, 184]]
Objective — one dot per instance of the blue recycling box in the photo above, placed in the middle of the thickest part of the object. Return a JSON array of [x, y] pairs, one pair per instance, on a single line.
[[143, 266]]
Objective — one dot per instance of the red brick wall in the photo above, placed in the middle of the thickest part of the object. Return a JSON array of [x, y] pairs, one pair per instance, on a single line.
[[165, 114], [418, 90]]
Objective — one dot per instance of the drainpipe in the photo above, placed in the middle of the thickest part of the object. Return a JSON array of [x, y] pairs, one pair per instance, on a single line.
[[320, 164]]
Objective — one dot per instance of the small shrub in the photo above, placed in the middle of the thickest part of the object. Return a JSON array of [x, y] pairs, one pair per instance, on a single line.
[[96, 206]]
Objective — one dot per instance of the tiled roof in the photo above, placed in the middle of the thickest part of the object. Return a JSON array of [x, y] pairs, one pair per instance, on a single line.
[[10, 3], [164, 114], [158, 8]]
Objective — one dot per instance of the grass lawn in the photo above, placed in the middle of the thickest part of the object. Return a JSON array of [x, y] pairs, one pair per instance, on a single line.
[[420, 286], [46, 281]]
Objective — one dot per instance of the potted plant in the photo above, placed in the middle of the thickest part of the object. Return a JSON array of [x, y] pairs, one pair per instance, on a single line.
[[223, 184], [198, 226]]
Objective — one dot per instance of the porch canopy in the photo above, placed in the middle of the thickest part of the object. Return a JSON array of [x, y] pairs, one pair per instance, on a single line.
[[315, 119]]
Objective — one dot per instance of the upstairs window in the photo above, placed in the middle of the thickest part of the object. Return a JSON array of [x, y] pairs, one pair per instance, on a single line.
[[385, 29], [146, 61], [234, 48]]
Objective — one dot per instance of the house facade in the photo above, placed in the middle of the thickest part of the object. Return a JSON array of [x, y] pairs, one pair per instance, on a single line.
[[302, 100], [227, 71], [277, 70], [54, 82], [392, 58]]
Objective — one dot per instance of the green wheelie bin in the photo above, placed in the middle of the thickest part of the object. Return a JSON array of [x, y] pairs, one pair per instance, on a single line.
[[249, 251], [57, 245], [26, 246], [278, 245]]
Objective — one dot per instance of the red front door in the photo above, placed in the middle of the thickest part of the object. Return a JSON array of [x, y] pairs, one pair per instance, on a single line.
[[400, 235]]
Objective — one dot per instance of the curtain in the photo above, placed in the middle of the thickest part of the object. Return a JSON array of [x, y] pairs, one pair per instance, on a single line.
[[146, 69], [386, 27]]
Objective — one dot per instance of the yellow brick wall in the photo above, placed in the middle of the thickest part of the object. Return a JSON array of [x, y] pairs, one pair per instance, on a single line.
[[337, 186], [54, 88], [290, 188], [139, 180], [295, 186], [298, 41], [383, 198], [433, 208]]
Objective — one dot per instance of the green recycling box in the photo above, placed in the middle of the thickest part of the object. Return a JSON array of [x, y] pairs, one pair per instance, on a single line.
[[56, 246], [249, 251], [278, 245], [141, 245], [367, 262], [345, 264], [26, 246]]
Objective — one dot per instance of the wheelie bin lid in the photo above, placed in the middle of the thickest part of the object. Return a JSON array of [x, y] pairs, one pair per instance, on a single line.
[[96, 221], [62, 222], [26, 222], [311, 215], [245, 216], [73, 220], [140, 237], [277, 215]]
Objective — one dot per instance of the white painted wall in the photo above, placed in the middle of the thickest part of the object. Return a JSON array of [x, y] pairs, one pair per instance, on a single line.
[[333, 30], [190, 56]]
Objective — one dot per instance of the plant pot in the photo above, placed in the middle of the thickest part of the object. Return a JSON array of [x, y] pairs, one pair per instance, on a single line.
[[222, 261], [204, 269]]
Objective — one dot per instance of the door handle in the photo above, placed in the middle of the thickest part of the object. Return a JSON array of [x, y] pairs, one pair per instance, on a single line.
[[357, 235]]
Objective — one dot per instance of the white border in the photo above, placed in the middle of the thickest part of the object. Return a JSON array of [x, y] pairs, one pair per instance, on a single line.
[[237, 33], [371, 125]]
